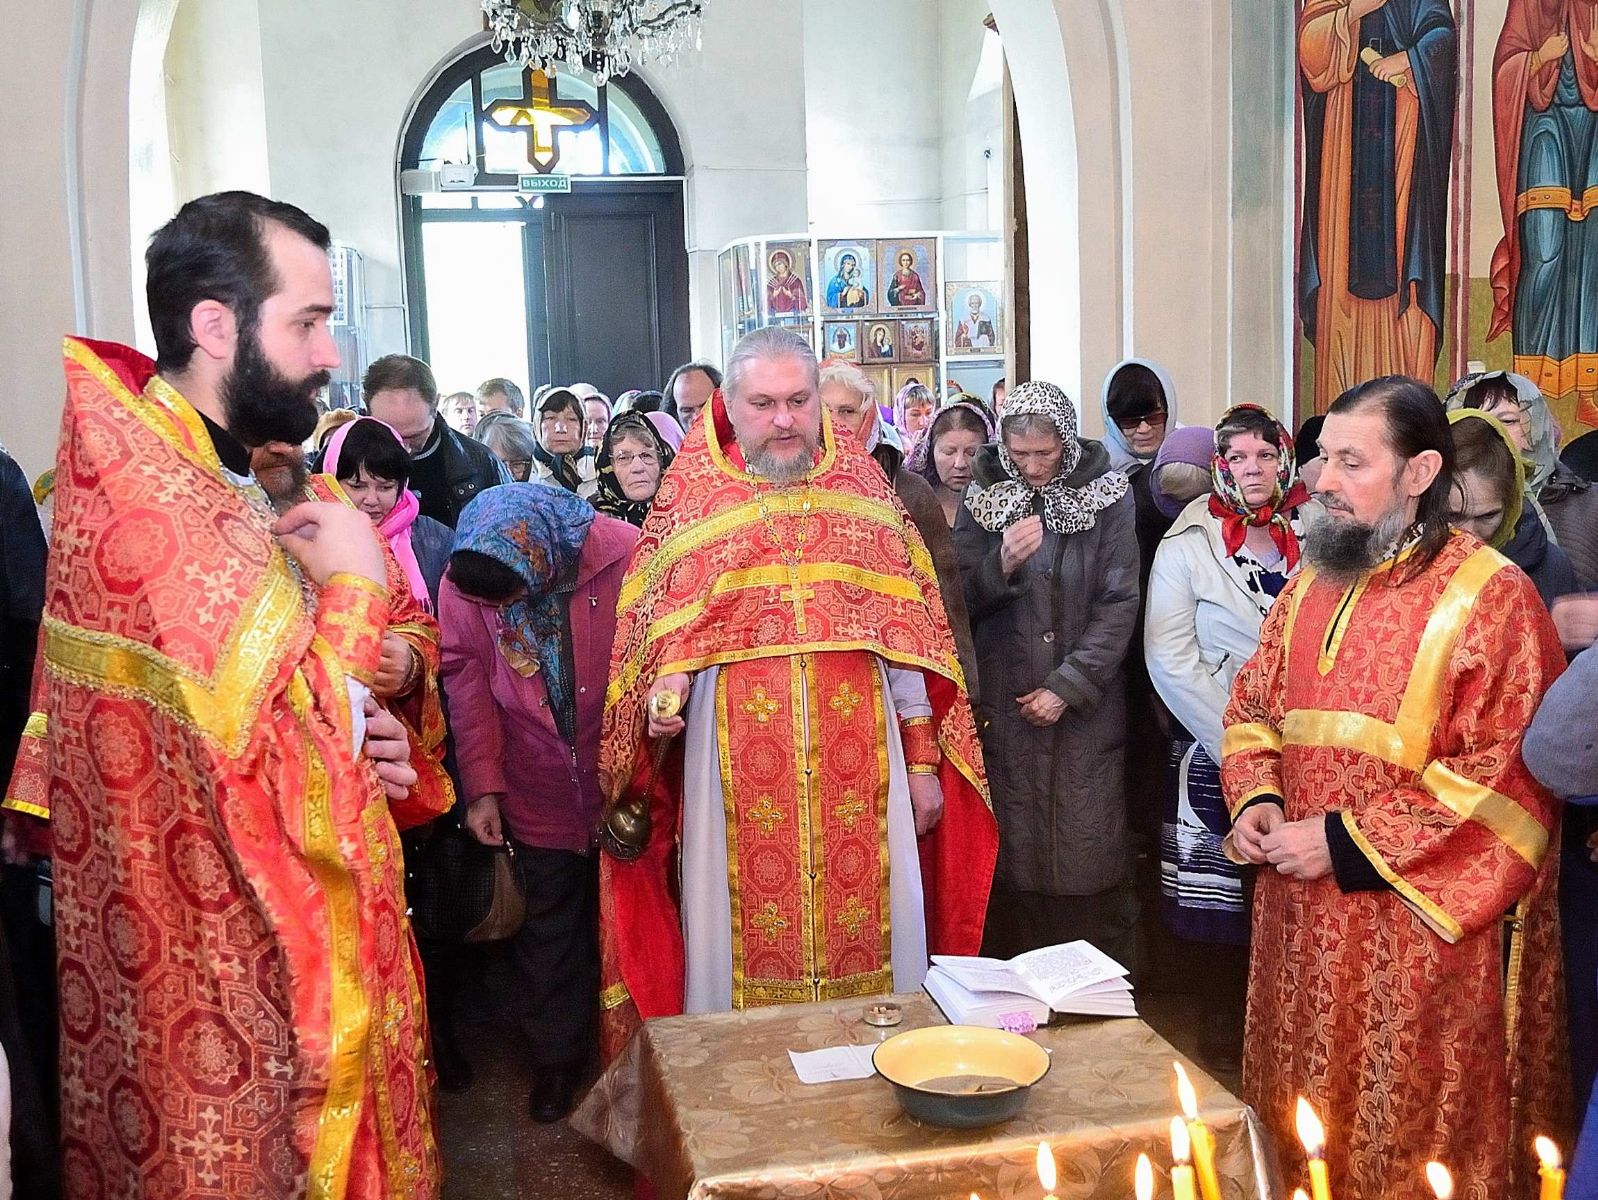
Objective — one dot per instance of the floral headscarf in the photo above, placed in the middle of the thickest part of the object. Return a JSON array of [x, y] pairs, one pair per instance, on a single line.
[[920, 459], [1542, 432], [1065, 509], [537, 530], [611, 499], [1515, 502], [1235, 514]]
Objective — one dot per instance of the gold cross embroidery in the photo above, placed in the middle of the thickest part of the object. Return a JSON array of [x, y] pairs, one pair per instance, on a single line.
[[541, 117], [769, 921], [760, 706], [797, 595], [853, 916], [851, 810], [767, 815], [846, 701]]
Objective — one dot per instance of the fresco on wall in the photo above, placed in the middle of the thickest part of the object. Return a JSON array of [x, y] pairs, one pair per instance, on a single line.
[[1448, 165]]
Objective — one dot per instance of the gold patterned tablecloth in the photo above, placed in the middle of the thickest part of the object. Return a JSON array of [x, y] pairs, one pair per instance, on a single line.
[[709, 1108]]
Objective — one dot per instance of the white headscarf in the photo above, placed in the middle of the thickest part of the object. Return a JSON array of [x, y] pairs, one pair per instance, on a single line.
[[1065, 509], [1122, 457]]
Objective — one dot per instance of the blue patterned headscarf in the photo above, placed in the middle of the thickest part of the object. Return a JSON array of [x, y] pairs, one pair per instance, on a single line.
[[537, 530]]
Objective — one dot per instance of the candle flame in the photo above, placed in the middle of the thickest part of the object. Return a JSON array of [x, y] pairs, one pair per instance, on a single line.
[[1185, 1093], [1046, 1173], [1144, 1178], [1310, 1130], [1300, 1194], [1181, 1147], [1442, 1182], [1547, 1152]]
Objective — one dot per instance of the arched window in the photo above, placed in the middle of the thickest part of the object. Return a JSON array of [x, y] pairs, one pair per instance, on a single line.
[[498, 279], [512, 122]]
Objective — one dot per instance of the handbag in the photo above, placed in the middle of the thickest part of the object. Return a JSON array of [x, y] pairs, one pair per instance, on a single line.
[[460, 890]]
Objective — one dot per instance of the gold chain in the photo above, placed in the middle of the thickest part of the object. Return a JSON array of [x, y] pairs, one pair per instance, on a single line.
[[790, 559]]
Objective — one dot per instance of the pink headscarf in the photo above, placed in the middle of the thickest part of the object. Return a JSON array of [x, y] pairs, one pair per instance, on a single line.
[[396, 526], [666, 425]]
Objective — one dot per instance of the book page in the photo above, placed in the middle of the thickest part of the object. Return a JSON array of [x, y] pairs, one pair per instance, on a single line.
[[1055, 972], [985, 975]]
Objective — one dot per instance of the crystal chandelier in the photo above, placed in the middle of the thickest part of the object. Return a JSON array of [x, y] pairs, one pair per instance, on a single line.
[[605, 37]]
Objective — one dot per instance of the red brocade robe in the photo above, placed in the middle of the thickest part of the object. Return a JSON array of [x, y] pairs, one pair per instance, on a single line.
[[240, 999], [793, 592], [1398, 705]]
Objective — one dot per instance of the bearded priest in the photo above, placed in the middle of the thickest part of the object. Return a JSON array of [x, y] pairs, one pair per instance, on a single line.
[[786, 700], [1405, 975]]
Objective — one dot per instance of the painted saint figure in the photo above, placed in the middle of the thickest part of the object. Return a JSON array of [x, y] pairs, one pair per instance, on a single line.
[[785, 290], [1545, 116], [1378, 84], [975, 330], [906, 290], [846, 289]]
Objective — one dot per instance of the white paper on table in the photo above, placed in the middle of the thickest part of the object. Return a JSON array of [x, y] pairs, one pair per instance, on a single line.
[[833, 1064]]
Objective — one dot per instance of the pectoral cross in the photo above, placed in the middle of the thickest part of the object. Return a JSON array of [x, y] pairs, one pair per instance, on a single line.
[[538, 113], [796, 594]]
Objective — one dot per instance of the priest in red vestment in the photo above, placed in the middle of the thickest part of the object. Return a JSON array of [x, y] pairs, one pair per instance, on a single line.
[[825, 807], [1406, 973], [241, 1009]]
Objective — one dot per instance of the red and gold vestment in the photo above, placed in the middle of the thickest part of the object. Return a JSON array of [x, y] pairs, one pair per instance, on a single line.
[[1424, 1017], [794, 593], [240, 999]]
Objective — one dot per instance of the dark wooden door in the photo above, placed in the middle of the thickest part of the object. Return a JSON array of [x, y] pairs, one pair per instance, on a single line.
[[616, 284]]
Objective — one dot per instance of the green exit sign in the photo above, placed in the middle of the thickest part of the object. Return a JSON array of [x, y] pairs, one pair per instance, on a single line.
[[544, 184]]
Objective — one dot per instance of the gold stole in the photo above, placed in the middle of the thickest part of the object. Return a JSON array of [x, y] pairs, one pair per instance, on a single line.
[[805, 785]]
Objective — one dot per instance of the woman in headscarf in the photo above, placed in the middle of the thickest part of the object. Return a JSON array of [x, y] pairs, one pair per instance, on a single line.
[[632, 462], [1050, 567], [1219, 568], [1488, 500], [371, 463], [528, 611], [1568, 502], [1180, 473], [946, 456], [561, 457], [913, 406]]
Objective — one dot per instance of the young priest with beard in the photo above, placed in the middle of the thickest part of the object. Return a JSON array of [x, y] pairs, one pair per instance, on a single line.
[[1372, 763]]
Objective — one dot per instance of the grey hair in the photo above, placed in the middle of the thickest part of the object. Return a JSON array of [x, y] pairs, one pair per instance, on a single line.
[[847, 375], [1029, 425], [511, 439], [1183, 481], [773, 341]]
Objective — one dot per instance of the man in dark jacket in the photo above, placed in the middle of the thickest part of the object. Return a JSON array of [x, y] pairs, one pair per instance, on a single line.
[[447, 469]]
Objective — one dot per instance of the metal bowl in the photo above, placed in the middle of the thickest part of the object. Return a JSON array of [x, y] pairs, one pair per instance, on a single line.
[[961, 1076]]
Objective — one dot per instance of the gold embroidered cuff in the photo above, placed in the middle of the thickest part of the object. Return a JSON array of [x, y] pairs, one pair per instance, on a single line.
[[920, 743], [352, 616], [1429, 911]]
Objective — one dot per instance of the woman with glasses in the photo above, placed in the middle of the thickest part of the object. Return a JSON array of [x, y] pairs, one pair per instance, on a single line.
[[632, 462], [1568, 502], [511, 440], [560, 457]]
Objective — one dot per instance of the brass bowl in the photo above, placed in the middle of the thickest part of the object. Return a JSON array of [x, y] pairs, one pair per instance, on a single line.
[[961, 1076]]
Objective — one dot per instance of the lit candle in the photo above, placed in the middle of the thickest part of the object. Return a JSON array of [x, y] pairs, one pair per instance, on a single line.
[[1313, 1134], [1552, 1172], [1143, 1178], [1046, 1173], [1300, 1194], [1203, 1139], [1182, 1183], [1442, 1182]]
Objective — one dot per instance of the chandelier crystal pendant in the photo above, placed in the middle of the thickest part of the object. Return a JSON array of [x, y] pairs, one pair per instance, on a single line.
[[605, 37]]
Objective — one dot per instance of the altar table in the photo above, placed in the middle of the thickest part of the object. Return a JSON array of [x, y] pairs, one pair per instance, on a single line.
[[709, 1108]]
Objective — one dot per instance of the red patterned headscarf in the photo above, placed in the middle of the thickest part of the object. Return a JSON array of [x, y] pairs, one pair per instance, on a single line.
[[1235, 514]]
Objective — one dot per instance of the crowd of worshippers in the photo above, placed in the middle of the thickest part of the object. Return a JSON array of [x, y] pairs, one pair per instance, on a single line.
[[1108, 601]]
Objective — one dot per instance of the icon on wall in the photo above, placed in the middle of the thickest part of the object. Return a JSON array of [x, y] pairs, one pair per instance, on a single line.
[[908, 274], [973, 314], [787, 278], [917, 342], [847, 267], [841, 339], [881, 342]]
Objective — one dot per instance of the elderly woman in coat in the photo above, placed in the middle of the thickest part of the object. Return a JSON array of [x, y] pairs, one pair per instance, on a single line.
[[1217, 571], [1050, 564]]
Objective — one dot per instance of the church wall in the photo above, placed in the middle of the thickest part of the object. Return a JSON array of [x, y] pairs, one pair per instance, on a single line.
[[971, 74]]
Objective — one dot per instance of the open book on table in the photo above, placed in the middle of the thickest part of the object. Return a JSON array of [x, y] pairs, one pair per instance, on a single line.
[[1075, 977]]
